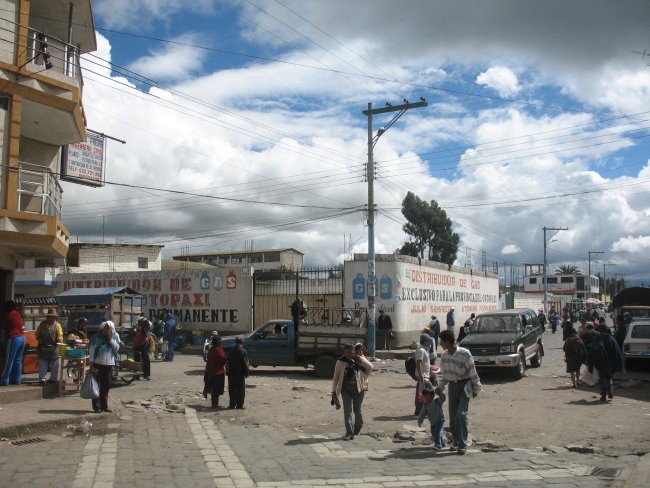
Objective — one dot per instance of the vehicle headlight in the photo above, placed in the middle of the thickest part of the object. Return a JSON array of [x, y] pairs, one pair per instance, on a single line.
[[508, 348]]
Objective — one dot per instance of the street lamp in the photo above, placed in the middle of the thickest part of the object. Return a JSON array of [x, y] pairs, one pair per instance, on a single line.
[[590, 253], [605, 278], [545, 264]]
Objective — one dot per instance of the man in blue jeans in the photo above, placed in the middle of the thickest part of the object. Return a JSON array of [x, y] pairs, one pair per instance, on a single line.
[[170, 335], [457, 365]]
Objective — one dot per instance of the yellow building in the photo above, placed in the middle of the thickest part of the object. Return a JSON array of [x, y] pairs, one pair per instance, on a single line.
[[41, 111]]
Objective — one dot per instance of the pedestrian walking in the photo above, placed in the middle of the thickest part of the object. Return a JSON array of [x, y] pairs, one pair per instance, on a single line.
[[350, 381], [385, 326], [542, 318], [422, 369], [575, 354], [142, 346], [103, 350], [171, 327], [49, 335], [238, 369], [434, 325], [459, 372], [606, 357], [215, 371], [450, 320], [12, 327], [432, 409]]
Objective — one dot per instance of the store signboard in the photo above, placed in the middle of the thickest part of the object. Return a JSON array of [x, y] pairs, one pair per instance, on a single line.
[[84, 162], [201, 300]]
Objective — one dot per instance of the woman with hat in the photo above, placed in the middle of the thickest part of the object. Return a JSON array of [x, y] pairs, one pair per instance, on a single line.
[[49, 334], [103, 350]]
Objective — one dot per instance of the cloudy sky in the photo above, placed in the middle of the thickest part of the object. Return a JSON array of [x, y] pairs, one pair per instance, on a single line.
[[244, 127]]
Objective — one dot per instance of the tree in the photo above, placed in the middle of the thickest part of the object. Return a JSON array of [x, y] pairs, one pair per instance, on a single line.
[[567, 269], [429, 229]]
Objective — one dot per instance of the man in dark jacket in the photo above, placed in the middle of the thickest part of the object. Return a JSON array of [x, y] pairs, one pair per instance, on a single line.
[[385, 325], [237, 368], [606, 357]]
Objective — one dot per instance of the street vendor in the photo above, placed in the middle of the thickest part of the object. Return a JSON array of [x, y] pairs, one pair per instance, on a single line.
[[49, 335]]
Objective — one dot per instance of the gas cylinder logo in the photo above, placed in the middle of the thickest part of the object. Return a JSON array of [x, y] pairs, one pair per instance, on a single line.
[[231, 280], [358, 287], [385, 287], [204, 280], [218, 282]]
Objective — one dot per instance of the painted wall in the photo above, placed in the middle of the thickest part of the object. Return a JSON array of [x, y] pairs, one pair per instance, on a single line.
[[202, 300], [411, 293]]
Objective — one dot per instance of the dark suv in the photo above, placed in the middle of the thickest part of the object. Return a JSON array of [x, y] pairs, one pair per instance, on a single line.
[[506, 339]]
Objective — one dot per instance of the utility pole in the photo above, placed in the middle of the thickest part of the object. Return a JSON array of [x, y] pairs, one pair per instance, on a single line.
[[371, 285], [590, 253], [545, 265], [605, 279]]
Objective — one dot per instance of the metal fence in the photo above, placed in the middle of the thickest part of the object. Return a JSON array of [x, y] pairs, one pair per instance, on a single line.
[[320, 288]]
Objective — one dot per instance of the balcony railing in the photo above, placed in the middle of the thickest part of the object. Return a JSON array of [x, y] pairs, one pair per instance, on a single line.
[[54, 54], [38, 190]]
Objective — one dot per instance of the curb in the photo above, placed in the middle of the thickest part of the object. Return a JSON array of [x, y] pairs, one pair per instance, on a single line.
[[38, 427], [639, 476]]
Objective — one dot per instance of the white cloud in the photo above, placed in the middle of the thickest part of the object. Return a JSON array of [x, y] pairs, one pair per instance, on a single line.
[[510, 249], [630, 244], [501, 79], [172, 62]]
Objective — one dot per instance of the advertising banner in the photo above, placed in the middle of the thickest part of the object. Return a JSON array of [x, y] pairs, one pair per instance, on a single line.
[[411, 293], [83, 162], [201, 300]]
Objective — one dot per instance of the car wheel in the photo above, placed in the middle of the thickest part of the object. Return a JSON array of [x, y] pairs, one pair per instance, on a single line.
[[536, 360], [519, 370], [324, 366]]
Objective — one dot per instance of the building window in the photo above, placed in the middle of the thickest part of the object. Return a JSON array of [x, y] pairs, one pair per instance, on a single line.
[[143, 263], [44, 263], [551, 280], [272, 257], [566, 279], [533, 281]]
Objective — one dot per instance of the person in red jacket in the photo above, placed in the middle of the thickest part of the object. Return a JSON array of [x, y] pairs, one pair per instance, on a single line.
[[215, 371], [15, 346]]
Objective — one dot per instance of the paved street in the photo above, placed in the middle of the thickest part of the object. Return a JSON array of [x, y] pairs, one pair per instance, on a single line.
[[148, 446]]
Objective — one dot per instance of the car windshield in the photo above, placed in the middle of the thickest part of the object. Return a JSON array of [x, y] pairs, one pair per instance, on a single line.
[[494, 323], [640, 331]]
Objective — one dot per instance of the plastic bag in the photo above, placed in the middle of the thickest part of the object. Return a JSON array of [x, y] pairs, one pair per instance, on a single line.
[[90, 388], [588, 378]]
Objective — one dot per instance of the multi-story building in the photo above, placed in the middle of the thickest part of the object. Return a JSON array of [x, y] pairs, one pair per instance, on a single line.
[[263, 260], [38, 277], [573, 286], [41, 111]]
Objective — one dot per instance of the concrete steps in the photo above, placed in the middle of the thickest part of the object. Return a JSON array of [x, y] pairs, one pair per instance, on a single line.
[[28, 390]]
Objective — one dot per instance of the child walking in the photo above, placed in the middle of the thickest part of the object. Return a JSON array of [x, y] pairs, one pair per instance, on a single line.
[[432, 408]]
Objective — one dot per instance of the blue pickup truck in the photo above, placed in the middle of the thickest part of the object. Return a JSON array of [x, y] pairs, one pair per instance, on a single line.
[[276, 343]]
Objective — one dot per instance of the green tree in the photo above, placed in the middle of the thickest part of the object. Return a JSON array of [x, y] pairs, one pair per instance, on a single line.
[[430, 231], [567, 269]]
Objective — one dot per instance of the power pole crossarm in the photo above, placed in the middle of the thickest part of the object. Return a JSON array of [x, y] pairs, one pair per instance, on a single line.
[[371, 285]]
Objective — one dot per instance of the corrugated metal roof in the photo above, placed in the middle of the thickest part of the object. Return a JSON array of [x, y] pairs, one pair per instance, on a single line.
[[92, 295]]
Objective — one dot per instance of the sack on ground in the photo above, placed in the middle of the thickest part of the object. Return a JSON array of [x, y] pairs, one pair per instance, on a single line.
[[588, 378], [90, 388], [409, 365]]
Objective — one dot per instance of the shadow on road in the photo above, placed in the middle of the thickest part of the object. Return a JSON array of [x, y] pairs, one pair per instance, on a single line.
[[311, 440], [415, 452], [388, 418]]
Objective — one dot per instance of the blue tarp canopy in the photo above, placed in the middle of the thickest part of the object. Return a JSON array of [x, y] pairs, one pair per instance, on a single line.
[[88, 296]]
